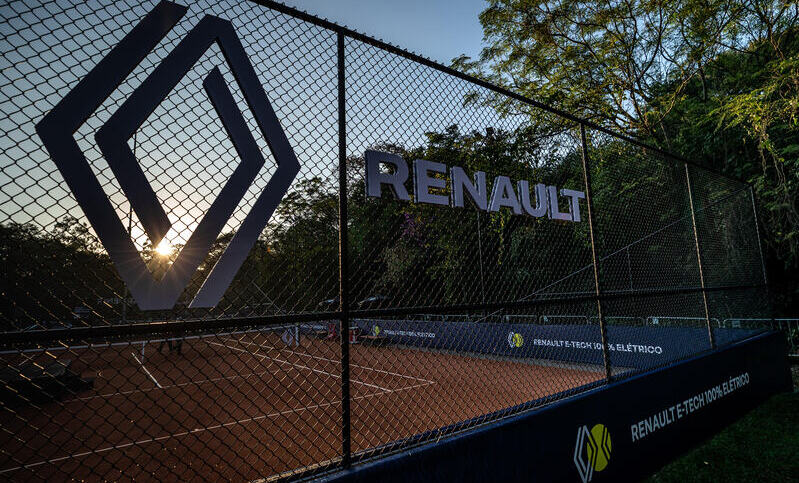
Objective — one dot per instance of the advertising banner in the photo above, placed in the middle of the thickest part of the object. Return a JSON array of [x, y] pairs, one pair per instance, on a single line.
[[635, 347], [619, 432]]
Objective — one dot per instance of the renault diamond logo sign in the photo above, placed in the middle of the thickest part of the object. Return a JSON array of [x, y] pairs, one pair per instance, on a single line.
[[57, 128], [591, 451]]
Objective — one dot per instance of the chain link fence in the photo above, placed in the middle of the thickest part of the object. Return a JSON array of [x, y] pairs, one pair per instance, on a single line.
[[359, 322]]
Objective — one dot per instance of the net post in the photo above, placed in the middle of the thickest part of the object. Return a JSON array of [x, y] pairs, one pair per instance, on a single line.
[[597, 289], [346, 453], [710, 335]]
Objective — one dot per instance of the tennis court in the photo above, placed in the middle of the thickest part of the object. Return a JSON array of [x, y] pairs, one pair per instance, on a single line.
[[168, 298], [245, 404]]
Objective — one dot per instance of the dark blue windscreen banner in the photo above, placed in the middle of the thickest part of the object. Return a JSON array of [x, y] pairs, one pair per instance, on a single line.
[[622, 431], [628, 346]]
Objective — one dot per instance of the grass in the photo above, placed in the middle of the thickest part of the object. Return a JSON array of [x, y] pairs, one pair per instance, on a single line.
[[761, 446]]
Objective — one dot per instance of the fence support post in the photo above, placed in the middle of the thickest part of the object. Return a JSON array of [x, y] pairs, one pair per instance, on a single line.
[[344, 326], [757, 232], [769, 301], [589, 199], [710, 335]]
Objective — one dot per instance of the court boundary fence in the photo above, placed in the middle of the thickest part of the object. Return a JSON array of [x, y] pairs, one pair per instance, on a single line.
[[345, 311]]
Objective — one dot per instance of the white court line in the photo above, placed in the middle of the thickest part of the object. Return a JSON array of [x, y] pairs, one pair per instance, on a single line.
[[198, 430], [334, 360], [299, 365], [167, 386], [145, 370], [131, 342], [236, 376]]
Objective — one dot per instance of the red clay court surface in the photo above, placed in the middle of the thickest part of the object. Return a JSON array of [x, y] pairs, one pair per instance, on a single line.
[[246, 406]]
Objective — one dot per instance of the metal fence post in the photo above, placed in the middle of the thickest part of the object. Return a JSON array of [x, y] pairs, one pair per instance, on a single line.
[[597, 290], [769, 301], [342, 260], [757, 232], [710, 335]]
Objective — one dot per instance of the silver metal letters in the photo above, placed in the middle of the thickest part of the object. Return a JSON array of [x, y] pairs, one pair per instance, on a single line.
[[431, 189]]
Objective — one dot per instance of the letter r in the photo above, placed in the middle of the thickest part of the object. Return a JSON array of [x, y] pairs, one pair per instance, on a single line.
[[376, 178]]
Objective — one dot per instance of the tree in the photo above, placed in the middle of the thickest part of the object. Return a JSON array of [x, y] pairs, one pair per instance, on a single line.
[[746, 125], [600, 59], [49, 274], [423, 254], [713, 80]]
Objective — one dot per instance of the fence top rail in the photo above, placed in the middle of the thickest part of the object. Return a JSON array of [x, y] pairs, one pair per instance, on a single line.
[[9, 339], [340, 29], [762, 319]]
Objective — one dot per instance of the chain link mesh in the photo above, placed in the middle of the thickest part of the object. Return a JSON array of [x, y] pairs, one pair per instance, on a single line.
[[460, 316]]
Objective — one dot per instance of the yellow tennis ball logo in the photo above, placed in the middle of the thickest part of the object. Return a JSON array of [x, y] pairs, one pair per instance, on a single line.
[[591, 451], [599, 451], [515, 339], [376, 330]]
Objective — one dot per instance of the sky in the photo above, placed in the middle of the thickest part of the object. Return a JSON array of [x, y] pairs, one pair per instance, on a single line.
[[437, 29], [299, 85]]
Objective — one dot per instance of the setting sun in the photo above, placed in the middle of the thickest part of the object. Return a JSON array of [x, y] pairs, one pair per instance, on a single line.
[[164, 248]]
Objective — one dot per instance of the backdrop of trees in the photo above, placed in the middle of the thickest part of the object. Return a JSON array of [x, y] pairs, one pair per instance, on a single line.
[[716, 81], [417, 254]]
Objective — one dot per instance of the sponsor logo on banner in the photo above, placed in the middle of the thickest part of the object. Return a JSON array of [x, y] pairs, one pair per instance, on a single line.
[[592, 450], [377, 330], [288, 337], [56, 130], [515, 339]]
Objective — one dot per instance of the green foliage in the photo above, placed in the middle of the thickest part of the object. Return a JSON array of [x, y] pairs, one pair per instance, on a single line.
[[716, 81], [742, 118], [32, 259], [601, 60], [419, 253]]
